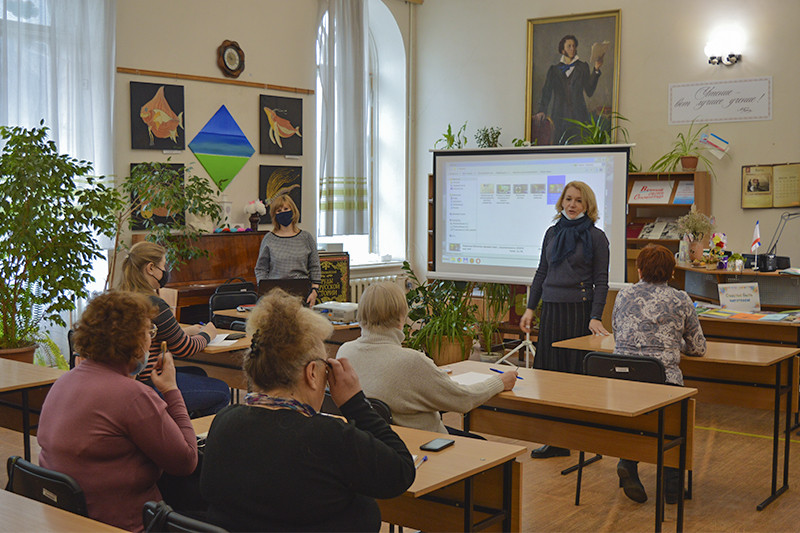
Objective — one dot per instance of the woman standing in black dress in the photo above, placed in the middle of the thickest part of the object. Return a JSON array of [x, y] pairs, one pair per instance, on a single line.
[[572, 282]]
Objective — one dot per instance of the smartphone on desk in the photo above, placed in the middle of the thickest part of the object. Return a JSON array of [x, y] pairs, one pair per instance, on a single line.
[[437, 445], [234, 336]]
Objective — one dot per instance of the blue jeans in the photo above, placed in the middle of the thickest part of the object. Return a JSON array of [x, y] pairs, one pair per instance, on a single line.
[[202, 395]]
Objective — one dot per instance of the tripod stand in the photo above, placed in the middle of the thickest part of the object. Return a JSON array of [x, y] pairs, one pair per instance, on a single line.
[[530, 352]]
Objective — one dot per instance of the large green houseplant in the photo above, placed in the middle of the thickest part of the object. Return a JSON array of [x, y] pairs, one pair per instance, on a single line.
[[52, 212], [177, 192], [442, 314], [686, 151], [496, 304]]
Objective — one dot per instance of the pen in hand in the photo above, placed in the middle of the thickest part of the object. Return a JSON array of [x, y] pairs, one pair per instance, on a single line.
[[500, 372], [420, 461]]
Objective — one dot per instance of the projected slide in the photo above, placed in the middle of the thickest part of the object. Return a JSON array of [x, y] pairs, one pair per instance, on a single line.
[[492, 209]]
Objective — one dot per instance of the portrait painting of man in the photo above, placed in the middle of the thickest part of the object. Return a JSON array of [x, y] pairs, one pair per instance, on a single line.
[[572, 75]]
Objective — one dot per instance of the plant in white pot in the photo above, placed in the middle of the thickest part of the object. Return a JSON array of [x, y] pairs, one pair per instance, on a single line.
[[49, 229]]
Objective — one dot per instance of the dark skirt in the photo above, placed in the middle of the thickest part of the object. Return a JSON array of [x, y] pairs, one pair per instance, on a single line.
[[562, 321]]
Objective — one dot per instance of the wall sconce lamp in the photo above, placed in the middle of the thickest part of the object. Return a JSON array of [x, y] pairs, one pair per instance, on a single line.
[[730, 59], [725, 44]]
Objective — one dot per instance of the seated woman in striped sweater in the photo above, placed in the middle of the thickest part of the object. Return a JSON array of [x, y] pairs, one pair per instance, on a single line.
[[144, 271]]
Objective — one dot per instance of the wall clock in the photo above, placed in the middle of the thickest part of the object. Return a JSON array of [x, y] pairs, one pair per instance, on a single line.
[[230, 59]]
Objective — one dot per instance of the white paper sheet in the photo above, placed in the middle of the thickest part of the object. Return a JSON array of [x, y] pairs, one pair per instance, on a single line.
[[470, 378], [219, 340]]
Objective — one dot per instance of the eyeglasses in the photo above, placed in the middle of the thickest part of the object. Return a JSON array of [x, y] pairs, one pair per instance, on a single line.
[[324, 361], [153, 331]]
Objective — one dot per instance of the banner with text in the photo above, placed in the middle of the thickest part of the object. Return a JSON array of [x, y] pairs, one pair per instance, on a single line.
[[720, 101]]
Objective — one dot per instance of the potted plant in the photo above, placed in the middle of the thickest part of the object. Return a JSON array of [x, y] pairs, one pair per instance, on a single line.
[[175, 192], [496, 304], [600, 131], [686, 151], [450, 140], [488, 137], [442, 318], [49, 228], [694, 226]]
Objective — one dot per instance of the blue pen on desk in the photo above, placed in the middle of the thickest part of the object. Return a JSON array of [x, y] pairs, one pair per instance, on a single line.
[[420, 461], [500, 371]]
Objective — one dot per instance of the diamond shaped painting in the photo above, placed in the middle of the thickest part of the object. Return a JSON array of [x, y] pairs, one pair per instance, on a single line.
[[222, 148]]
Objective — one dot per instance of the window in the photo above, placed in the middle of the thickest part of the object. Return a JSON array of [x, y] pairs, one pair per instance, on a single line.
[[385, 154]]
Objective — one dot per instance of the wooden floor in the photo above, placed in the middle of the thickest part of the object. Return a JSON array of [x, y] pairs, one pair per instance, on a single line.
[[732, 469]]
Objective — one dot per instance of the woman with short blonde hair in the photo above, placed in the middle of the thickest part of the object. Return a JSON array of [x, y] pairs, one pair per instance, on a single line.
[[408, 381]]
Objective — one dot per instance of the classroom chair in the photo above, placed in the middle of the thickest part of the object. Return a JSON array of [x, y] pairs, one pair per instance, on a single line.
[[330, 407], [230, 295], [159, 517], [616, 366], [45, 485]]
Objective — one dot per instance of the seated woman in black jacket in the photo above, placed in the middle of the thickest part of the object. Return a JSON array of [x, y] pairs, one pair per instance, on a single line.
[[275, 464]]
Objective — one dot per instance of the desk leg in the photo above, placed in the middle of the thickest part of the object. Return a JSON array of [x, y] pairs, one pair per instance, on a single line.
[[776, 436], [508, 487], [682, 460], [660, 472], [26, 424], [468, 503]]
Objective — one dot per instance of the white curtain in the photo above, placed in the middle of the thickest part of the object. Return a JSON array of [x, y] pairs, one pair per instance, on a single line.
[[57, 65], [342, 59]]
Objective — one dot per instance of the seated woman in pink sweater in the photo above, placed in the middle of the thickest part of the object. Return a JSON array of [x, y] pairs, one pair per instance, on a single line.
[[110, 432]]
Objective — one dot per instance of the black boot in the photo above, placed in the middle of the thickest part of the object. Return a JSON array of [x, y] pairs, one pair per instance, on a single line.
[[549, 451], [628, 472]]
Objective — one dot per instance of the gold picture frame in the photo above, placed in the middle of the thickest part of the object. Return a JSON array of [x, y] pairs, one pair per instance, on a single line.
[[575, 90]]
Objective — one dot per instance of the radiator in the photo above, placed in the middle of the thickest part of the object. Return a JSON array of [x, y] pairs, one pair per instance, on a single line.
[[359, 285]]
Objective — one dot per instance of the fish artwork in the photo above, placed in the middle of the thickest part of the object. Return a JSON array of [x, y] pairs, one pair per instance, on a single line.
[[280, 127], [161, 120]]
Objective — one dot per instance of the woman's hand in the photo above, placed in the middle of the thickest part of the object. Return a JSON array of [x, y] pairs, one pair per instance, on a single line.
[[312, 297], [596, 327], [210, 329], [163, 375], [526, 321], [342, 380]]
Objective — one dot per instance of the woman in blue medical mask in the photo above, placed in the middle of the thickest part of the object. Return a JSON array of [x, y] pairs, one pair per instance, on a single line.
[[287, 252], [572, 283]]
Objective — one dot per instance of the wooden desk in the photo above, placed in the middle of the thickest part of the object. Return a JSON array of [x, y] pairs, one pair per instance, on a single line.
[[776, 291], [751, 331], [638, 421], [744, 375], [472, 484], [341, 332], [23, 514], [18, 380]]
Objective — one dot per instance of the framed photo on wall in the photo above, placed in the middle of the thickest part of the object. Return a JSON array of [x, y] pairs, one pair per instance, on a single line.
[[280, 119], [157, 116], [572, 74], [276, 180]]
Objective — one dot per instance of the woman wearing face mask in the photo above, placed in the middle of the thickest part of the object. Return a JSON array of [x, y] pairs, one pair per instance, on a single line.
[[111, 433], [287, 252], [572, 282], [145, 271]]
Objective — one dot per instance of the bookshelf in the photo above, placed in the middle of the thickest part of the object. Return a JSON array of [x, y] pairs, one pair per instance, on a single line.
[[641, 213]]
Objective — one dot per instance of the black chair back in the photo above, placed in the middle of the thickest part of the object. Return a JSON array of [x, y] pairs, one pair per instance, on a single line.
[[239, 325], [71, 343], [382, 409], [45, 485], [159, 517], [633, 368]]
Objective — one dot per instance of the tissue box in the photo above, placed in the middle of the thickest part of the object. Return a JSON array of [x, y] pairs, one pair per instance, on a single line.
[[338, 311]]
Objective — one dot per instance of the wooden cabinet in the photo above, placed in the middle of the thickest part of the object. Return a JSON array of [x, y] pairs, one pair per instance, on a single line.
[[640, 214]]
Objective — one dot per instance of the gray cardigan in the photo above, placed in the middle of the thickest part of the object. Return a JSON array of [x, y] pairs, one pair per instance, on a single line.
[[573, 280]]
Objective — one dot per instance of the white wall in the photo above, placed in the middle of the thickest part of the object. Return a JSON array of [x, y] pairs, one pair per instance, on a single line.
[[182, 36], [470, 66]]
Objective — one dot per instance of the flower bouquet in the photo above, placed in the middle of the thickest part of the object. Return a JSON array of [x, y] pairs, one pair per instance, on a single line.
[[255, 209], [695, 225], [717, 253]]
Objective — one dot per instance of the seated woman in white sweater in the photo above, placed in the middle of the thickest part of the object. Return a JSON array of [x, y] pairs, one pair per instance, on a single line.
[[407, 380]]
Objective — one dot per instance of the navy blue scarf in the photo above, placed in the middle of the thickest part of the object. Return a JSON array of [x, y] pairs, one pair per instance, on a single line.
[[567, 233]]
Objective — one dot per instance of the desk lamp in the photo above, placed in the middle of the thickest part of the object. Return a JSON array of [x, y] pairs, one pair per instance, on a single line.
[[770, 259]]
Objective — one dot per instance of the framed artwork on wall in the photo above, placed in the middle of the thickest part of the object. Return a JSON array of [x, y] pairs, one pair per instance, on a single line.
[[154, 215], [157, 116], [280, 120], [274, 181], [572, 73]]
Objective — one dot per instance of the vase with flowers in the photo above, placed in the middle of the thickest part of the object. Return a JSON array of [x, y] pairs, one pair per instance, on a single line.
[[717, 251], [255, 209], [694, 226]]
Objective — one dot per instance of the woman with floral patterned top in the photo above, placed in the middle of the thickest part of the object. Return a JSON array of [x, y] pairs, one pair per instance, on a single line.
[[652, 319]]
